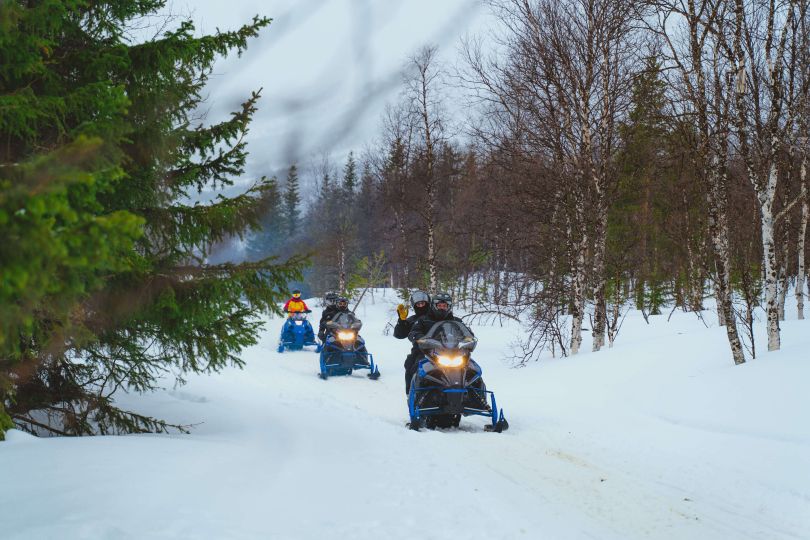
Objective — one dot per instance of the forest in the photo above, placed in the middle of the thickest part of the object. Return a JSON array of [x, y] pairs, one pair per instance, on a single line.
[[647, 154]]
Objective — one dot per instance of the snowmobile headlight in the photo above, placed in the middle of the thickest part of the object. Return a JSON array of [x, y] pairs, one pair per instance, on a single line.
[[345, 335], [450, 361]]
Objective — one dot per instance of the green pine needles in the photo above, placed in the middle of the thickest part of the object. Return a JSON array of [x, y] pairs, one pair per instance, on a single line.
[[104, 284]]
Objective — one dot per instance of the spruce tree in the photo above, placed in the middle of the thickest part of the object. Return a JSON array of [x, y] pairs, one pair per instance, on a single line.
[[365, 212], [292, 201], [105, 284], [350, 175], [636, 229], [268, 240]]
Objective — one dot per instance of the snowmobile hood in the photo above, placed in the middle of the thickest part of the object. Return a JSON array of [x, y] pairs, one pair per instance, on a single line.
[[345, 320], [448, 335]]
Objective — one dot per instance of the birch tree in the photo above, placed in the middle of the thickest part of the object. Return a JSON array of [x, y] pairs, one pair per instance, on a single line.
[[423, 80], [764, 45], [687, 32]]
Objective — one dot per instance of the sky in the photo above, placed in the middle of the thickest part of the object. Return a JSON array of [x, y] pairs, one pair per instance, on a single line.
[[327, 68]]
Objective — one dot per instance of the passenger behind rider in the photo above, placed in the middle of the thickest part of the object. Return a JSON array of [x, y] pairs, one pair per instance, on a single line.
[[420, 301]]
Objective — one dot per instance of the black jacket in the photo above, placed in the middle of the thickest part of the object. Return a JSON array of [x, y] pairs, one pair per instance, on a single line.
[[403, 326], [327, 315]]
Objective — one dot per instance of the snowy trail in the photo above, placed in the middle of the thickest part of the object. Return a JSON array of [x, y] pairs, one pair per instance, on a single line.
[[654, 439]]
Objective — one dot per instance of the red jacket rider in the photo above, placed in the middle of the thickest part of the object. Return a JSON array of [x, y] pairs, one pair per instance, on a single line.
[[295, 304]]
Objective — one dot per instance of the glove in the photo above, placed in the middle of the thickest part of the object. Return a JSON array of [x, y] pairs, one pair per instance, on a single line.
[[402, 311]]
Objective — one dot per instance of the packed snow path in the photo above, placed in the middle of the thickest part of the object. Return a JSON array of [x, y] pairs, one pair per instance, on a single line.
[[660, 437]]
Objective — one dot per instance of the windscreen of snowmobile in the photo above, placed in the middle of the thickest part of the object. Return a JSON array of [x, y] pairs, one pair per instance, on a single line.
[[448, 335], [345, 321], [299, 316]]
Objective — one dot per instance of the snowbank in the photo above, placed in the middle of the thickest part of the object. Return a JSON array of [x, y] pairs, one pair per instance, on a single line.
[[659, 437]]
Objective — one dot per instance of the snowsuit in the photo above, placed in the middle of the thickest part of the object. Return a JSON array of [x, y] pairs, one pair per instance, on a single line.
[[401, 331], [295, 305], [419, 327], [327, 315]]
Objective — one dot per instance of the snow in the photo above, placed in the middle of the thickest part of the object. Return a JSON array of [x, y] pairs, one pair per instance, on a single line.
[[659, 437]]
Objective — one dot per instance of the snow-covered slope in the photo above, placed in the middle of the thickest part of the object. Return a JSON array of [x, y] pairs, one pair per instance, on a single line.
[[660, 437]]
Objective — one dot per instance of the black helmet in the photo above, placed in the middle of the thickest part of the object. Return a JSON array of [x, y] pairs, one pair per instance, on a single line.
[[342, 300], [296, 293], [330, 298], [441, 298]]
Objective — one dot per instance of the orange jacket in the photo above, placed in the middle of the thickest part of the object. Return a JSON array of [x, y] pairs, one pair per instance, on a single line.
[[294, 305]]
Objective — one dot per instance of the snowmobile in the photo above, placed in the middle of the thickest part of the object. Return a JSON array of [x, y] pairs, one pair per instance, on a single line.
[[447, 384], [297, 333], [344, 350]]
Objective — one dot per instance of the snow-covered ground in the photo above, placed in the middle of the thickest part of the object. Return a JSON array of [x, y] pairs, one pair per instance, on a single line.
[[659, 437]]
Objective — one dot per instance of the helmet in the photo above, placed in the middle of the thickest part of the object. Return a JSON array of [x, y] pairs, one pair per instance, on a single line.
[[419, 296], [330, 298], [296, 293], [441, 298], [342, 302], [422, 297]]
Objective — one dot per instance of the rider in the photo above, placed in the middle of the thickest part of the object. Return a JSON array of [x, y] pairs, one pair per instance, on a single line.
[[340, 304], [295, 304], [441, 309], [420, 301]]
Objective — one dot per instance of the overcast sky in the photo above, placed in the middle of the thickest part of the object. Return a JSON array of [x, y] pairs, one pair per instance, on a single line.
[[327, 67]]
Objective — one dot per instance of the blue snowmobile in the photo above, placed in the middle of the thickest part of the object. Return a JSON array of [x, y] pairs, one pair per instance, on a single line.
[[447, 384], [297, 333], [344, 350]]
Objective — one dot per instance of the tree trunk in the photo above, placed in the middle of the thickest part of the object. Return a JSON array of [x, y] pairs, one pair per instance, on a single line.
[[718, 298], [495, 268], [769, 267], [801, 277], [431, 256], [718, 229], [784, 279], [578, 300], [403, 247], [341, 267], [600, 304], [695, 277]]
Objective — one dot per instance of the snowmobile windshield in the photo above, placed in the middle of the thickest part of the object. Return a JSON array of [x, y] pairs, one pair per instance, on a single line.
[[299, 316], [448, 335], [345, 321]]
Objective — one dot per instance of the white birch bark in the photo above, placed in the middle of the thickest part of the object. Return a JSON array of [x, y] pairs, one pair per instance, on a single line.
[[578, 280], [801, 275], [767, 198], [341, 266], [424, 63], [783, 270], [600, 304], [718, 229]]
